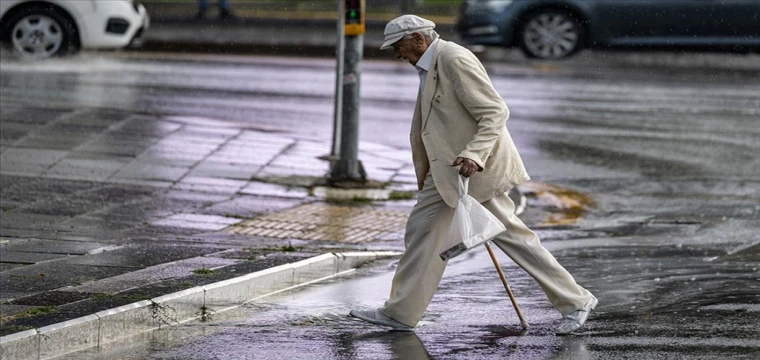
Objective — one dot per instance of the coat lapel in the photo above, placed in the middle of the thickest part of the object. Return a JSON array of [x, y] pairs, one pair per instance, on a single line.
[[431, 81]]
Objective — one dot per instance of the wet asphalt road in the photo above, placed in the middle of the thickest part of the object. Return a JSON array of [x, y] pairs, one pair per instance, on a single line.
[[667, 154]]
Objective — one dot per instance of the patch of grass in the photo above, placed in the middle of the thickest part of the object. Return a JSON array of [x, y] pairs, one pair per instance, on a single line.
[[42, 310], [401, 195], [135, 297], [288, 248], [205, 313], [31, 312], [356, 200], [203, 271], [163, 314]]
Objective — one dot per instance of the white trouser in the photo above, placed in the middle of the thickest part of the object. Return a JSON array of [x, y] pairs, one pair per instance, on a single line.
[[420, 269]]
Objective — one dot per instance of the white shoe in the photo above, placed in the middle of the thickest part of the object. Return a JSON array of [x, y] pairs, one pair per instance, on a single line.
[[574, 320], [377, 317]]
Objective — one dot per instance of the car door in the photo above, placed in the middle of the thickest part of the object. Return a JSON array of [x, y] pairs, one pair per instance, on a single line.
[[648, 22], [733, 21]]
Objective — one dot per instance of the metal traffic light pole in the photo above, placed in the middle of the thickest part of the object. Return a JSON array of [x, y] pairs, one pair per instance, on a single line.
[[348, 168], [339, 54]]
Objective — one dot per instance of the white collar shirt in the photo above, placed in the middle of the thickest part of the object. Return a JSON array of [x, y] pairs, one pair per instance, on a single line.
[[424, 63]]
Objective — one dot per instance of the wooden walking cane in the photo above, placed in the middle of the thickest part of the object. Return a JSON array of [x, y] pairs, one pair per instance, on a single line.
[[506, 286]]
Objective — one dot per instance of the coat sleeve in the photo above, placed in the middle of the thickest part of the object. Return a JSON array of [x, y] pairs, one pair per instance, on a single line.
[[476, 93]]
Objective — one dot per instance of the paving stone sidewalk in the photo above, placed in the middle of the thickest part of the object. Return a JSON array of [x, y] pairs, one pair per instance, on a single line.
[[102, 208]]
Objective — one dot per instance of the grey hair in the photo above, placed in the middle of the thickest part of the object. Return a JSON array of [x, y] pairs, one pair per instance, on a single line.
[[429, 34]]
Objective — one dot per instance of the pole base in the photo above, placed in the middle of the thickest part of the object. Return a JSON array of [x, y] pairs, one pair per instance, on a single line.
[[343, 179]]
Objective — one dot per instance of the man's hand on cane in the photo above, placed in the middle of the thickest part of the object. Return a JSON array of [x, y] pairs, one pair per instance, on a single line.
[[469, 167]]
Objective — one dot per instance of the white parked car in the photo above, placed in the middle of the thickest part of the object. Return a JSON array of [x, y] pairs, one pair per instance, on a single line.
[[44, 28]]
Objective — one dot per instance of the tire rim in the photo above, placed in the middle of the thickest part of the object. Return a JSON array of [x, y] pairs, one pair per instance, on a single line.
[[551, 36], [37, 36]]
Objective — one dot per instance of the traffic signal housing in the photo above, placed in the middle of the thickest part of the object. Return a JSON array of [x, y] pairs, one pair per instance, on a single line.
[[354, 18]]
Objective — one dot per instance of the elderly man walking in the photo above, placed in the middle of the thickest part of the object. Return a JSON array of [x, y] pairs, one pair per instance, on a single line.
[[458, 127]]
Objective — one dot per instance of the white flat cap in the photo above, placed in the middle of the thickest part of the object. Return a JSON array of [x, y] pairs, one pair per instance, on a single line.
[[404, 25]]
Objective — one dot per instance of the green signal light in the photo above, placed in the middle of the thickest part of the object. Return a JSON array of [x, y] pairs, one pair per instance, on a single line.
[[352, 14]]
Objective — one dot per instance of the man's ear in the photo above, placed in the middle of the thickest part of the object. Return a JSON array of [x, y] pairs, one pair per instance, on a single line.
[[418, 38]]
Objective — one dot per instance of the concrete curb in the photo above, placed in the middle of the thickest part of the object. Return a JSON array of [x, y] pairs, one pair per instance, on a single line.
[[195, 303]]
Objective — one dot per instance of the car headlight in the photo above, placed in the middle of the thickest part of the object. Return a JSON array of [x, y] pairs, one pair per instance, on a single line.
[[489, 5]]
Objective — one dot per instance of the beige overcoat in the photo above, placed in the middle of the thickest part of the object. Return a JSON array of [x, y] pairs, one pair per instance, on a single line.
[[460, 114]]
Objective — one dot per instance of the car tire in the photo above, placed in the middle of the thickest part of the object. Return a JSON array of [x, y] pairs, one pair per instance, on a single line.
[[40, 32], [551, 34]]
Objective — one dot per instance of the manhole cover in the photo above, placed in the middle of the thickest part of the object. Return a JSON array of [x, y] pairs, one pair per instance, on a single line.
[[320, 221]]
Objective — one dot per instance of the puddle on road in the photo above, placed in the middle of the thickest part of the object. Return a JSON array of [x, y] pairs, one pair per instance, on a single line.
[[566, 206]]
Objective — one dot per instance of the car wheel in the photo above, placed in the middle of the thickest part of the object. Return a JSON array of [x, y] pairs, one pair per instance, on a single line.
[[40, 33], [551, 34]]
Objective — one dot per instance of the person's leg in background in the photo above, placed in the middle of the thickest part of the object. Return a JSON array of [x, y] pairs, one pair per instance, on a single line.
[[225, 11], [202, 8]]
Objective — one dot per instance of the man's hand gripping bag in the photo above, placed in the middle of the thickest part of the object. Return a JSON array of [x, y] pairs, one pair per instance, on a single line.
[[472, 225]]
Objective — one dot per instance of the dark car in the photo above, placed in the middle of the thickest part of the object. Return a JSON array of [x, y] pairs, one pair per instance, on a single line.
[[553, 29]]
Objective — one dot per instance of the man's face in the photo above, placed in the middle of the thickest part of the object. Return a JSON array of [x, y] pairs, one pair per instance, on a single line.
[[411, 49]]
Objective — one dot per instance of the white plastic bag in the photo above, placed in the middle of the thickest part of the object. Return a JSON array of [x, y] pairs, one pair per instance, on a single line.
[[472, 225]]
